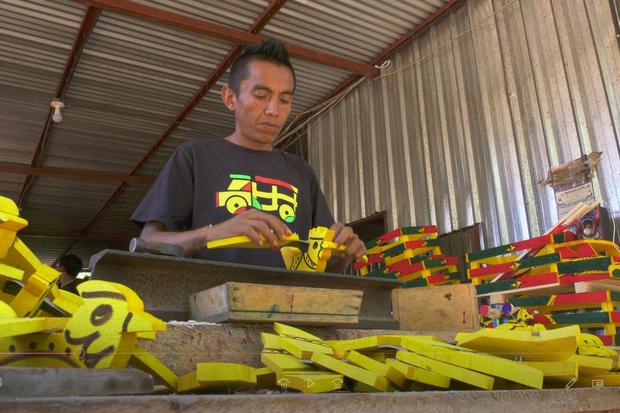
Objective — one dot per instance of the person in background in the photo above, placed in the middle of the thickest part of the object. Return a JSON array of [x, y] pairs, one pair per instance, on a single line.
[[70, 266]]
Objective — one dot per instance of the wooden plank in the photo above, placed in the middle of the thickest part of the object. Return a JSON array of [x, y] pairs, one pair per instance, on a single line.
[[268, 303], [602, 285], [290, 318], [20, 382], [438, 308]]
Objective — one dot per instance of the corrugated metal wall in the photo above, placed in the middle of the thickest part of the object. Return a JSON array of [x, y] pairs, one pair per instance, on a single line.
[[472, 114]]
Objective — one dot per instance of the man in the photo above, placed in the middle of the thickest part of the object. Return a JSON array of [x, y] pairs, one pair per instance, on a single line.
[[69, 266], [241, 185]]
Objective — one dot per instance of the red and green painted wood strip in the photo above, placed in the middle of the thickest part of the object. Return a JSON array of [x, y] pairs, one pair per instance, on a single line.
[[536, 242]]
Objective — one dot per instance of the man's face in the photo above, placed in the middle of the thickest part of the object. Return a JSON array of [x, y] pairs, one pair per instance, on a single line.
[[263, 104]]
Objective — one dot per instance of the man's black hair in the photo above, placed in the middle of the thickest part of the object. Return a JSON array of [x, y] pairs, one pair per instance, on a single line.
[[71, 263], [270, 50]]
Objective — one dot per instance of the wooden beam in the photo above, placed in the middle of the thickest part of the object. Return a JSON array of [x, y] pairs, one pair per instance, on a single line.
[[81, 174], [168, 18], [90, 18]]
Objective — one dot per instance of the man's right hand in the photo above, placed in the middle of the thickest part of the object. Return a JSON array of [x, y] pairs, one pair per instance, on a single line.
[[258, 226]]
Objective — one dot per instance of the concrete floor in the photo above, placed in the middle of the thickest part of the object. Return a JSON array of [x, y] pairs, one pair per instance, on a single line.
[[505, 401]]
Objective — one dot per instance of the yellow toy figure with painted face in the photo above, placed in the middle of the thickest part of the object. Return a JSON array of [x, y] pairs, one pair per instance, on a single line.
[[101, 334], [21, 269], [320, 247]]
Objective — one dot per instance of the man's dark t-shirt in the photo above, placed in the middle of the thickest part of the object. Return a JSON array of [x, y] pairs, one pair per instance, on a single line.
[[207, 182]]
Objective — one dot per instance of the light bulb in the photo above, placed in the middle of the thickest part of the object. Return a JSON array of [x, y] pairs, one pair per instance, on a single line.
[[57, 104], [57, 116]]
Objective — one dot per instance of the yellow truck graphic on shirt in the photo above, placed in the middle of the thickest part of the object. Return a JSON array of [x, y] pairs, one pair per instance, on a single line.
[[264, 194]]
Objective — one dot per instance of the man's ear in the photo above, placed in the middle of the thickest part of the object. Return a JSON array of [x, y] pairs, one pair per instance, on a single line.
[[228, 97]]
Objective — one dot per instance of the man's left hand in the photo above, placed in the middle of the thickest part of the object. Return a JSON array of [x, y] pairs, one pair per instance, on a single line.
[[345, 236]]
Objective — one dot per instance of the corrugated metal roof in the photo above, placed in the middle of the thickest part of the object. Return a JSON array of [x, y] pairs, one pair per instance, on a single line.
[[132, 80]]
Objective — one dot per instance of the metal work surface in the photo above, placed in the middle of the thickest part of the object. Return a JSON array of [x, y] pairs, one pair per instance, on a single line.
[[165, 283], [506, 401]]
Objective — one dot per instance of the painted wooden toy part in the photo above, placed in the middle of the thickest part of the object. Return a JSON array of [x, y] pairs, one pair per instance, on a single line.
[[209, 376], [369, 378], [483, 363], [420, 375], [454, 372], [530, 345]]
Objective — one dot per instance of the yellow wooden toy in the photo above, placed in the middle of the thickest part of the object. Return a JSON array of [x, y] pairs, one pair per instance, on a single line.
[[420, 375], [356, 373], [280, 362], [454, 372], [243, 241], [294, 332], [319, 251], [209, 376], [562, 371], [390, 372], [483, 363], [102, 333], [527, 343]]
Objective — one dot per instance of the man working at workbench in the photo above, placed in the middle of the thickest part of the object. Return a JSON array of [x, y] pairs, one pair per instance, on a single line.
[[241, 185]]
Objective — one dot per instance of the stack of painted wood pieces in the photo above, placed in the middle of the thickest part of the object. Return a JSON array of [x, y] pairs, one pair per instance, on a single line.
[[412, 255], [386, 363], [565, 356], [551, 260], [509, 357], [597, 312]]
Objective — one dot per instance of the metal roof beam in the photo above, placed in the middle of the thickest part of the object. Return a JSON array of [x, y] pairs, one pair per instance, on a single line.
[[90, 18], [168, 18], [81, 174]]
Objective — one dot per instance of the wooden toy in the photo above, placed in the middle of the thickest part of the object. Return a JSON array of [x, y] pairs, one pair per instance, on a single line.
[[217, 376]]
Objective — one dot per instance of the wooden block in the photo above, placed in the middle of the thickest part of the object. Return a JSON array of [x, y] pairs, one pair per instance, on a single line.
[[592, 366], [386, 370], [302, 349], [289, 331], [454, 372], [268, 303], [217, 376], [483, 363], [556, 371], [283, 362], [437, 308], [420, 375], [356, 373], [270, 341], [547, 345], [342, 347]]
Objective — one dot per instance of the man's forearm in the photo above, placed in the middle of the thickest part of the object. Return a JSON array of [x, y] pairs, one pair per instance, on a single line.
[[191, 241]]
